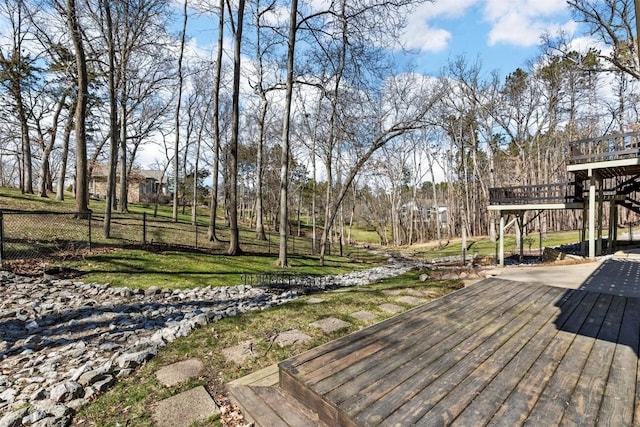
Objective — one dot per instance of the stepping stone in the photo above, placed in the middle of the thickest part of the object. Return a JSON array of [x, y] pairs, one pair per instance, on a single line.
[[240, 353], [315, 300], [392, 292], [185, 408], [431, 294], [391, 308], [180, 372], [363, 315], [330, 324], [291, 337], [411, 300], [415, 293]]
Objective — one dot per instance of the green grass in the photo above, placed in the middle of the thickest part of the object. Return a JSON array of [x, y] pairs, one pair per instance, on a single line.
[[131, 401], [483, 246], [123, 260], [178, 270]]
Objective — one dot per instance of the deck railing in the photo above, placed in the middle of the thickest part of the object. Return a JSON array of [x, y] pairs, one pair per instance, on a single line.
[[567, 192], [609, 147]]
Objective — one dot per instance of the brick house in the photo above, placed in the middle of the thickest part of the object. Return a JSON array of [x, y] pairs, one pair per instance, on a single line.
[[143, 184]]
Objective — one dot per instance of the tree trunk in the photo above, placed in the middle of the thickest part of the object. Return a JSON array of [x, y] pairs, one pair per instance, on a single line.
[[82, 182], [124, 175], [176, 158], [234, 233], [64, 153], [260, 233], [110, 202], [284, 159], [45, 173], [216, 127]]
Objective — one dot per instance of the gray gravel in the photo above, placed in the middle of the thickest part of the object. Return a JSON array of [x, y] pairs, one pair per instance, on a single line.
[[62, 342]]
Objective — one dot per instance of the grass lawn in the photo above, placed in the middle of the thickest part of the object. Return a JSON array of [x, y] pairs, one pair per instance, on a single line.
[[130, 402], [178, 270]]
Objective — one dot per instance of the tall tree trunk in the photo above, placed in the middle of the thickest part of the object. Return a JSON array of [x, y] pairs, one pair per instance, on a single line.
[[260, 233], [176, 158], [27, 168], [45, 174], [82, 181], [330, 140], [194, 213], [124, 173], [284, 159], [234, 235], [216, 126], [113, 126], [64, 153]]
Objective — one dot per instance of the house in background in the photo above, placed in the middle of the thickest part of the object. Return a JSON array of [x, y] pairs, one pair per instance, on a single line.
[[143, 184]]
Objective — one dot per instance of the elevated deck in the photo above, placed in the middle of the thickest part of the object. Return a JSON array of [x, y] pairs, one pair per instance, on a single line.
[[496, 353], [609, 155], [607, 167], [565, 195]]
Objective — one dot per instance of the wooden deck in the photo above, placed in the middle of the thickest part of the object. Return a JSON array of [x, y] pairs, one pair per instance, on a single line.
[[496, 353]]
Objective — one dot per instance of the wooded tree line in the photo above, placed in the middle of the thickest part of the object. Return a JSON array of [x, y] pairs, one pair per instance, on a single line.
[[298, 109]]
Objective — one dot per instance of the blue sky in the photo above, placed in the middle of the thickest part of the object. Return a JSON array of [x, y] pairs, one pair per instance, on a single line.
[[503, 34]]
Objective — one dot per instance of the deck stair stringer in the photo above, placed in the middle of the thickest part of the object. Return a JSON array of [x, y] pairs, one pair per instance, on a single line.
[[327, 412], [263, 402]]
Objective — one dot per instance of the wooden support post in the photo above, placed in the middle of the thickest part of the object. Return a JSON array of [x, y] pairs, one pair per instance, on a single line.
[[583, 230], [600, 216], [613, 237], [592, 215], [501, 251], [521, 226]]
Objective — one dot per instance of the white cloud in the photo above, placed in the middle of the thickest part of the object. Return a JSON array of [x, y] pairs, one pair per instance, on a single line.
[[421, 34], [582, 44], [426, 38], [444, 9], [522, 22]]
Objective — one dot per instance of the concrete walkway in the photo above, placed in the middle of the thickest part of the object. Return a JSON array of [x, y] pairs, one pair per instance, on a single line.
[[564, 276], [615, 275]]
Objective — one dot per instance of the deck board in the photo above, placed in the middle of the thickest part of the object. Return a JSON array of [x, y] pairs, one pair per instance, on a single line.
[[394, 388], [617, 408], [445, 397], [316, 359], [357, 379], [498, 353], [585, 402]]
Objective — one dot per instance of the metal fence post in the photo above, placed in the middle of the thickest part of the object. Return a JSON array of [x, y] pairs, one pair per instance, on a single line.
[[1, 238], [196, 234], [144, 228], [90, 221]]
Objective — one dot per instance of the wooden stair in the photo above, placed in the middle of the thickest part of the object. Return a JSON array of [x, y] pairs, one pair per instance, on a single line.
[[263, 402]]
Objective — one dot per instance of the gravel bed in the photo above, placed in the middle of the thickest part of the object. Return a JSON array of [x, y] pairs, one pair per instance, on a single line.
[[62, 341]]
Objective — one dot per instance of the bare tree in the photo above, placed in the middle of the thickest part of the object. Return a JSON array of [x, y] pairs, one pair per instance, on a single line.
[[612, 21], [17, 75], [234, 232], [217, 77], [82, 178], [176, 147], [284, 160]]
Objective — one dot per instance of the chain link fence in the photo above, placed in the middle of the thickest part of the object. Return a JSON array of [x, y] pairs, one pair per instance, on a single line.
[[45, 234], [41, 234]]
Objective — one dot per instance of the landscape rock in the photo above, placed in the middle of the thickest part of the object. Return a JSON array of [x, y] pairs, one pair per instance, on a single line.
[[64, 341], [66, 391], [13, 419]]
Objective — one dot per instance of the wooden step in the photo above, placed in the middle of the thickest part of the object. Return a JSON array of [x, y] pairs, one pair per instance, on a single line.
[[263, 402]]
